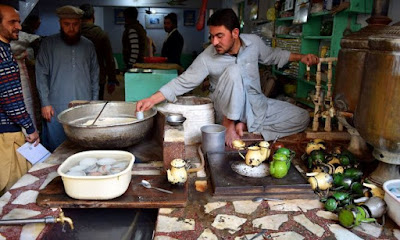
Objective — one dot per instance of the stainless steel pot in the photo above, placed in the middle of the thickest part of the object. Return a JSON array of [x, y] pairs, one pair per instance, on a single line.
[[106, 135]]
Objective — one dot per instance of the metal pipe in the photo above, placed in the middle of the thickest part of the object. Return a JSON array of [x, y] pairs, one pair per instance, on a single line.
[[26, 221], [49, 219], [379, 15]]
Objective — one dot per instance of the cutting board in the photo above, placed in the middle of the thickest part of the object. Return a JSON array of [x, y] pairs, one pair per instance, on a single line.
[[136, 196]]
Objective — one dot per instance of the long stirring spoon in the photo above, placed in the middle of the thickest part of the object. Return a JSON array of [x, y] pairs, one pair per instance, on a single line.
[[104, 106], [146, 184], [259, 199]]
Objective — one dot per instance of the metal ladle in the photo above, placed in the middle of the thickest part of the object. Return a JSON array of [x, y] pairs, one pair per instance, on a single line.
[[99, 114], [259, 199], [146, 184]]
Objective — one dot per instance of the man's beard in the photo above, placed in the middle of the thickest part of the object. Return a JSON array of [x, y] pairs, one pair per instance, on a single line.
[[227, 50], [70, 40], [8, 35]]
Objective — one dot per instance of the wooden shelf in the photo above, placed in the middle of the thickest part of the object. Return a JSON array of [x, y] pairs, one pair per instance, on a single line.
[[260, 21], [323, 13], [305, 102], [312, 15], [284, 74], [312, 83], [311, 41], [285, 19], [286, 36], [318, 37]]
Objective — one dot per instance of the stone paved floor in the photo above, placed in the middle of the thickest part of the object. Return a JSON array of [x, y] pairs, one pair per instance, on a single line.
[[203, 218], [243, 219], [207, 218]]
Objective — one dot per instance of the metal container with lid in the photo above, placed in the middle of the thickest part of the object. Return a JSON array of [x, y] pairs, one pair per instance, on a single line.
[[354, 47], [378, 111]]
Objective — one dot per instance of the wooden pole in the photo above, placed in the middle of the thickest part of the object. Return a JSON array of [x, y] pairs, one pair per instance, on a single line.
[[318, 82], [317, 113]]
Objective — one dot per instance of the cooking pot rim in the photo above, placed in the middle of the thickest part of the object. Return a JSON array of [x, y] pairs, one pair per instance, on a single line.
[[62, 121]]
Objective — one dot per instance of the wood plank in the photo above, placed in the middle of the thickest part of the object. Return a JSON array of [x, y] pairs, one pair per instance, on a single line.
[[136, 196], [227, 182], [331, 136]]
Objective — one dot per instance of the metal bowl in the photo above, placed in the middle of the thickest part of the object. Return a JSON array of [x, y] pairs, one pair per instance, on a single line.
[[147, 70], [134, 70], [106, 135], [175, 119]]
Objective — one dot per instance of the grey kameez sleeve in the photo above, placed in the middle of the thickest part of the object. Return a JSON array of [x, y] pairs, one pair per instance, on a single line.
[[187, 81], [268, 55], [42, 69], [94, 74]]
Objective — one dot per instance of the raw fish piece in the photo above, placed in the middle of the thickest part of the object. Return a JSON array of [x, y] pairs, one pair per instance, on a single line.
[[116, 170], [105, 169], [92, 168], [121, 165], [395, 191], [88, 161], [95, 174], [77, 168], [76, 173], [106, 161]]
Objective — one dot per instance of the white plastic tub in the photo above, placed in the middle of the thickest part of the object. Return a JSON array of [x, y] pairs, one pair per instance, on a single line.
[[392, 201], [96, 187]]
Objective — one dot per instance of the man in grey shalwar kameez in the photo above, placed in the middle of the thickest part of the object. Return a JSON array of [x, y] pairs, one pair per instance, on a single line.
[[231, 63], [66, 70]]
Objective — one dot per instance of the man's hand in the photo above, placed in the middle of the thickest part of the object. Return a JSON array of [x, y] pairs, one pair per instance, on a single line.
[[110, 87], [147, 103], [144, 104], [33, 138], [309, 59], [47, 112]]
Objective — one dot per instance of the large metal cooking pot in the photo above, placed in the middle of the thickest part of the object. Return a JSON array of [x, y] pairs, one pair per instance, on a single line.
[[107, 135]]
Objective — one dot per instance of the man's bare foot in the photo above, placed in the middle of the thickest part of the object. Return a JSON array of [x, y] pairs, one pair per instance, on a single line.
[[230, 136], [230, 133], [240, 128]]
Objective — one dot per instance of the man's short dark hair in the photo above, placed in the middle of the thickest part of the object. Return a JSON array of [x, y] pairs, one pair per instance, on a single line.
[[224, 17], [88, 11], [173, 17], [1, 15], [131, 13]]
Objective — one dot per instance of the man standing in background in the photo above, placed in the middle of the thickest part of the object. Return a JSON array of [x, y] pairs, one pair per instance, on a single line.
[[66, 70], [103, 48], [133, 39], [172, 47], [13, 114], [23, 53]]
